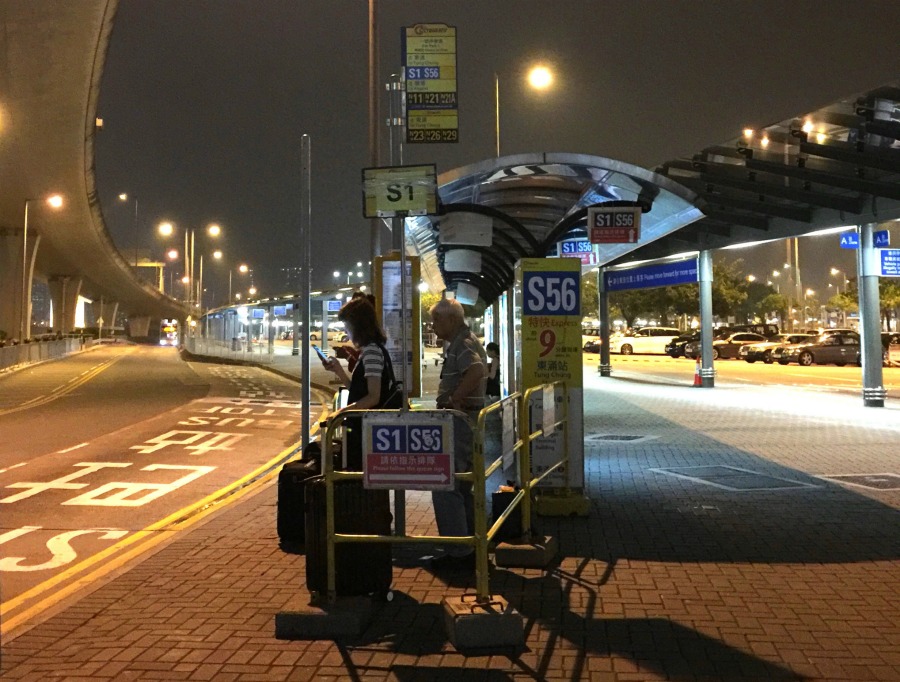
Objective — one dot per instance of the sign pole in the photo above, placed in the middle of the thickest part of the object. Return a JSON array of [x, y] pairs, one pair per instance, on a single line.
[[303, 302], [398, 233]]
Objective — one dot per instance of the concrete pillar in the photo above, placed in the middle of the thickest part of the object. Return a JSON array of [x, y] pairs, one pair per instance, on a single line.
[[12, 319], [271, 320], [870, 319], [705, 273], [64, 291], [605, 366], [106, 310], [138, 327]]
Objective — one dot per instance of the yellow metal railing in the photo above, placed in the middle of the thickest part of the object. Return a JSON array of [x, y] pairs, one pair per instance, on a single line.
[[477, 476]]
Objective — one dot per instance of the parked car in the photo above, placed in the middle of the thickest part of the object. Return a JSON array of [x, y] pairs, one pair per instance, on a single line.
[[675, 347], [839, 348], [590, 339], [333, 335], [725, 346], [763, 350], [643, 340]]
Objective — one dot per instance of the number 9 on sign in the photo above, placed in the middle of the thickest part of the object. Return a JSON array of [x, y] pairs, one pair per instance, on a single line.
[[548, 342]]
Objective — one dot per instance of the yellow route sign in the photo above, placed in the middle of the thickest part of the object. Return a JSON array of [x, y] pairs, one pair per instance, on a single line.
[[429, 71], [395, 190]]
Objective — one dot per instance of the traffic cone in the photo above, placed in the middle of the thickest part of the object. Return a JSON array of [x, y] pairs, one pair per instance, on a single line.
[[697, 380]]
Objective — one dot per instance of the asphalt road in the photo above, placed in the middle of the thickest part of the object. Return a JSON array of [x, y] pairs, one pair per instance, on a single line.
[[680, 370], [108, 453]]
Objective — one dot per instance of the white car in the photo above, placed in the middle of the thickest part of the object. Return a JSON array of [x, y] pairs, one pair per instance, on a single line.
[[643, 340]]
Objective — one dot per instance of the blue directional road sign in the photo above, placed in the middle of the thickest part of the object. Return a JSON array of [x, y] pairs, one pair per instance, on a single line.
[[890, 262], [850, 240]]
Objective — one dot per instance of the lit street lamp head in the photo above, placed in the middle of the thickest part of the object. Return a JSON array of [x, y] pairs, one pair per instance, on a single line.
[[217, 254], [243, 268], [214, 230], [55, 201], [166, 229], [172, 254], [540, 77]]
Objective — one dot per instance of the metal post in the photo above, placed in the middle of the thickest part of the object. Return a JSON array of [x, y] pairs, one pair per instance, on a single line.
[[705, 271], [497, 114], [191, 295], [375, 227], [870, 320], [137, 234], [511, 369], [605, 366], [24, 311], [305, 241], [398, 235], [295, 337]]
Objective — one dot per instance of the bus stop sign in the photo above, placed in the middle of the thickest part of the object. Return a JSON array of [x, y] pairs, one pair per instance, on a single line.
[[408, 451]]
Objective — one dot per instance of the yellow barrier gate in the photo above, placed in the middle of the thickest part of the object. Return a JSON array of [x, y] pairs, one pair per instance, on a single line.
[[518, 442]]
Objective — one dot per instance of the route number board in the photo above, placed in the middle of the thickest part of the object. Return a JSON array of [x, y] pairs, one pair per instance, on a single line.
[[408, 451], [615, 225], [399, 190]]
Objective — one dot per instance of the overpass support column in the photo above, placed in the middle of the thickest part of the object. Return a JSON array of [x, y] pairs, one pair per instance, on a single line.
[[270, 311], [295, 338], [15, 321], [106, 310], [870, 319], [64, 292], [605, 366], [705, 273]]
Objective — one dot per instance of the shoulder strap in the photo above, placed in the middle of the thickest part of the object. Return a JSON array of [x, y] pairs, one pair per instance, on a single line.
[[390, 366]]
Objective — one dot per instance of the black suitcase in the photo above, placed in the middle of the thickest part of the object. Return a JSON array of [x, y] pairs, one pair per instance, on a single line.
[[290, 508], [362, 568]]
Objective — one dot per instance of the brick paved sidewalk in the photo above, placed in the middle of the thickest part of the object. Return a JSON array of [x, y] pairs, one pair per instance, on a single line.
[[782, 575]]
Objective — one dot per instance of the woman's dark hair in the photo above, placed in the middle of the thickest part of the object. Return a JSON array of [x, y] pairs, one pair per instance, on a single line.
[[494, 347], [360, 314]]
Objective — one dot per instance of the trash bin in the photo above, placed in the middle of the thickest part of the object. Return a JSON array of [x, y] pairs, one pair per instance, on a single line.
[[235, 343]]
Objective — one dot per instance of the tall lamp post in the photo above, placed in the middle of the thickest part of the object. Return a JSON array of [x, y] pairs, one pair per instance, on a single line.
[[54, 201], [539, 77], [124, 197], [243, 269], [167, 229]]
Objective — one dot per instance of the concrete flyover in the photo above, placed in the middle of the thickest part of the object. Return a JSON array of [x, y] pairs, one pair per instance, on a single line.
[[51, 60]]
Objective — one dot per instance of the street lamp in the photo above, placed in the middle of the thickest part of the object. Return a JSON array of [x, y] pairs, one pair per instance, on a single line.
[[124, 197], [751, 278], [167, 229], [243, 269], [539, 77], [54, 201]]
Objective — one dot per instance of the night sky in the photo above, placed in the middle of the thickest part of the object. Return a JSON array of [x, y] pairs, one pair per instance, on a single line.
[[204, 102]]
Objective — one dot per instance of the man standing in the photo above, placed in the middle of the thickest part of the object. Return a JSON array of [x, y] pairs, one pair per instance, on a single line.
[[461, 387]]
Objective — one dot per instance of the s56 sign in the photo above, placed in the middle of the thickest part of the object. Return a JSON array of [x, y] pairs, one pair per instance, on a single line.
[[552, 293]]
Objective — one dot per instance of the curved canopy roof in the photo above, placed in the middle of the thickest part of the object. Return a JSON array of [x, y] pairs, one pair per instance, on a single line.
[[497, 211], [836, 166]]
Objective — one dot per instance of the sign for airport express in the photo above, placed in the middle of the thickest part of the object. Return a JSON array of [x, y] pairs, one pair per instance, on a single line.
[[549, 298], [614, 225], [429, 69], [408, 451], [551, 320]]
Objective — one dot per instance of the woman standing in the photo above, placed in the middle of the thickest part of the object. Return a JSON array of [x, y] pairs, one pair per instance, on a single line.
[[492, 388], [372, 384]]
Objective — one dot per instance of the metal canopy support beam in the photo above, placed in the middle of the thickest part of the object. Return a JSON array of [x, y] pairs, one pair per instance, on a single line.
[[890, 191], [796, 214], [870, 318], [605, 366], [707, 371], [705, 181], [869, 157]]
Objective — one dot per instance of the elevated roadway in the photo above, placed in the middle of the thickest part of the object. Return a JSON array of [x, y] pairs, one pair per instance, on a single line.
[[51, 60]]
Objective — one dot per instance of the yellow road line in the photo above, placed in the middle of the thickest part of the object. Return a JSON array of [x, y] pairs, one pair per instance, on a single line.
[[152, 535], [68, 387]]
